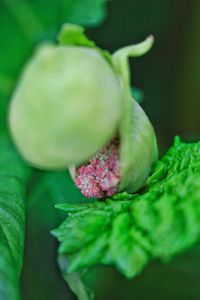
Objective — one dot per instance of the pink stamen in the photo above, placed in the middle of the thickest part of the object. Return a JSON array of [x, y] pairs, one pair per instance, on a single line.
[[101, 176]]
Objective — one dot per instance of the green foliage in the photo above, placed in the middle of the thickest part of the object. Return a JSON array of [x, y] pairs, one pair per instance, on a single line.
[[23, 24], [85, 12], [128, 231], [71, 34], [13, 177]]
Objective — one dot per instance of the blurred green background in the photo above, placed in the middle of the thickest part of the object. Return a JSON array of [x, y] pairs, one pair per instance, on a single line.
[[169, 77]]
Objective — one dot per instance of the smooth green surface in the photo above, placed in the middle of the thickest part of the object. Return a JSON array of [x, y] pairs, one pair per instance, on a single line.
[[13, 177], [136, 134], [129, 231], [66, 106], [71, 34], [85, 12], [138, 141]]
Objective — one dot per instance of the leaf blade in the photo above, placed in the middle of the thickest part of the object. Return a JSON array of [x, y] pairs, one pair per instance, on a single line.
[[12, 218], [158, 224]]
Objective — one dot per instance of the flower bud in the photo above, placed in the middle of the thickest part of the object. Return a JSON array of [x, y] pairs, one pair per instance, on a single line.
[[66, 106], [73, 108], [103, 175], [125, 163]]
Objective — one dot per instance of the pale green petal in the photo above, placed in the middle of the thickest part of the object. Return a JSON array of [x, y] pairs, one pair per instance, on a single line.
[[66, 106]]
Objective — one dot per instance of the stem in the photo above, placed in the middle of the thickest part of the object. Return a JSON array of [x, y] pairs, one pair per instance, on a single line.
[[74, 281], [77, 286], [120, 57], [137, 137]]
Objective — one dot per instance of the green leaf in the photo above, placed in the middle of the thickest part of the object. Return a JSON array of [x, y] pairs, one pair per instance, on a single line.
[[25, 23], [157, 224], [71, 34], [84, 12], [13, 178]]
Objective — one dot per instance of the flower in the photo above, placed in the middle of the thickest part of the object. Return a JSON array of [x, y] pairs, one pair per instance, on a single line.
[[66, 106], [71, 101], [101, 176]]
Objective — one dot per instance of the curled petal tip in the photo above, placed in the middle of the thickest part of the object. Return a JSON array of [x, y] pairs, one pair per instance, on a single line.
[[150, 39]]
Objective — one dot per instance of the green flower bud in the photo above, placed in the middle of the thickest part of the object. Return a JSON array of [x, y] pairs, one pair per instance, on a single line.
[[109, 171], [66, 106], [143, 152], [73, 108], [123, 165]]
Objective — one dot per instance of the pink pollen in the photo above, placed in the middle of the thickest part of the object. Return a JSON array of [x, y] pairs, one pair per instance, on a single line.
[[101, 176]]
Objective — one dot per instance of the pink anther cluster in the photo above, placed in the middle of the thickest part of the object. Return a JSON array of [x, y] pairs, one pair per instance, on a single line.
[[101, 176]]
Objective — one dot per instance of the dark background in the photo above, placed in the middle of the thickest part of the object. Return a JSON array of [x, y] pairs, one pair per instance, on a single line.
[[170, 74], [169, 77]]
